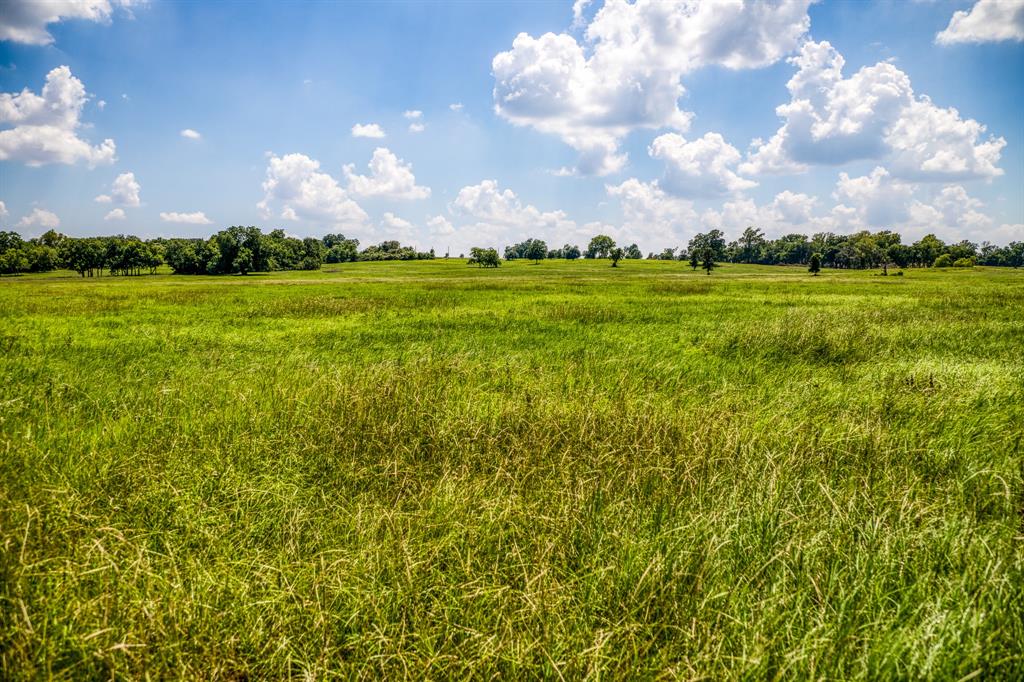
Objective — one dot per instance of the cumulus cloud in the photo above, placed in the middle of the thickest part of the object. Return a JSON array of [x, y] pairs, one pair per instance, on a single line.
[[371, 130], [116, 214], [873, 114], [417, 127], [296, 189], [124, 191], [494, 215], [439, 225], [986, 21], [455, 106], [652, 216], [390, 177], [39, 219], [879, 200], [626, 74], [702, 168], [194, 218], [190, 134], [413, 114], [25, 21], [44, 128], [394, 227], [3, 210]]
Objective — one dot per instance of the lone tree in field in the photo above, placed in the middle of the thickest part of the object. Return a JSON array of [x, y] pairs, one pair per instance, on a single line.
[[814, 267], [694, 259], [483, 258], [537, 251], [708, 259], [600, 246], [616, 255]]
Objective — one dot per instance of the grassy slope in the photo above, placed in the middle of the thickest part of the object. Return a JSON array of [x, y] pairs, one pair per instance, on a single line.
[[427, 469]]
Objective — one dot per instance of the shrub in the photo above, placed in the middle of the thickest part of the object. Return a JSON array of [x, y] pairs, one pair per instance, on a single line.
[[943, 261], [963, 263]]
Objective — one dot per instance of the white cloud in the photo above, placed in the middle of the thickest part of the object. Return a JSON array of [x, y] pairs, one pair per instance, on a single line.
[[702, 168], [417, 127], [45, 128], [296, 189], [456, 106], [116, 214], [652, 216], [25, 21], [190, 134], [489, 215], [626, 75], [394, 227], [578, 7], [194, 218], [39, 218], [390, 177], [986, 21], [101, 105], [439, 225], [3, 210], [413, 114], [124, 191], [879, 199], [372, 130], [873, 114]]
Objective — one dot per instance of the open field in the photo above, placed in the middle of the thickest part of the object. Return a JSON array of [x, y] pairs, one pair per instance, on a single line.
[[556, 470]]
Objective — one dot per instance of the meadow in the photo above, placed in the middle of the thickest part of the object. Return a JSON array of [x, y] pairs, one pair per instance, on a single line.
[[562, 471]]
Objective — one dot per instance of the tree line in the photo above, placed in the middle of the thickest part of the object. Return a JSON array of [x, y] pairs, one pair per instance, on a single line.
[[861, 250], [236, 250], [241, 250]]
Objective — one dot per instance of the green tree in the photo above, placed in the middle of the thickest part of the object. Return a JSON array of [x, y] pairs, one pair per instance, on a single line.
[[751, 242], [708, 259], [600, 246], [537, 250], [616, 255], [483, 258], [815, 265]]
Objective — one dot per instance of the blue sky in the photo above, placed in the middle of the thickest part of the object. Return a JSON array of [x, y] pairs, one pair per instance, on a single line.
[[646, 121]]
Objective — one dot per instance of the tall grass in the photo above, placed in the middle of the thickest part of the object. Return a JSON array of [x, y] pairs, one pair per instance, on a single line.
[[560, 471]]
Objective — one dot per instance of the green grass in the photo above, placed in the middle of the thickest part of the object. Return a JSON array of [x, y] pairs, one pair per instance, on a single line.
[[560, 470]]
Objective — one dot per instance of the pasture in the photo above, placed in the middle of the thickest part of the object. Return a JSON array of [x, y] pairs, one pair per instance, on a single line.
[[560, 470]]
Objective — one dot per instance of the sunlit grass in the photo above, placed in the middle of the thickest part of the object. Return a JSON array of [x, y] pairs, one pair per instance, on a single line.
[[562, 470]]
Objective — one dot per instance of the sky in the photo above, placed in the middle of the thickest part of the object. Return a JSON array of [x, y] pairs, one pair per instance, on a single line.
[[450, 125]]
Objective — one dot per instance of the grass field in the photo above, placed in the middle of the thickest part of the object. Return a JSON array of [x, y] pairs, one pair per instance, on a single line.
[[560, 470]]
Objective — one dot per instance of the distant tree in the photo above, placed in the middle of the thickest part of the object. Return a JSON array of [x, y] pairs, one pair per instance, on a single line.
[[928, 249], [483, 258], [13, 261], [815, 265], [571, 252], [750, 244], [943, 261], [537, 250], [600, 246], [633, 252], [243, 261], [694, 259], [708, 259], [616, 255]]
